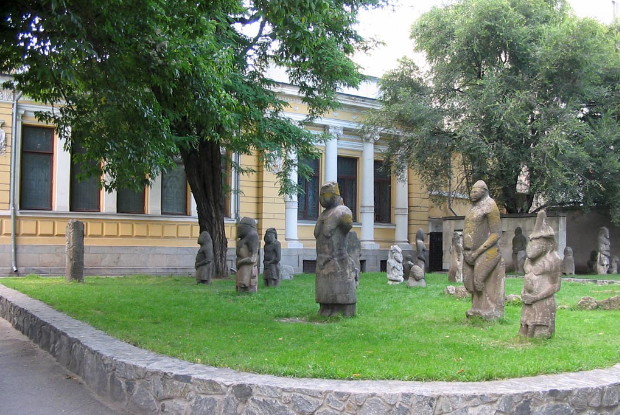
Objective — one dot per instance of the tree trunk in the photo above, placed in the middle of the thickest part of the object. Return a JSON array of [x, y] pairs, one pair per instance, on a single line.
[[204, 174]]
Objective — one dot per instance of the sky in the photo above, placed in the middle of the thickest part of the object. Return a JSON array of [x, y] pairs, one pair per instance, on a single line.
[[391, 25]]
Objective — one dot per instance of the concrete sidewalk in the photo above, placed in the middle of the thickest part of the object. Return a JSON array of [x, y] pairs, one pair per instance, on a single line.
[[33, 383]]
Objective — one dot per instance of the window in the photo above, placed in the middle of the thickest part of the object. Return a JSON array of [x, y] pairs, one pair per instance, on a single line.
[[84, 192], [308, 199], [347, 182], [130, 201], [383, 193], [225, 165], [174, 191], [36, 168]]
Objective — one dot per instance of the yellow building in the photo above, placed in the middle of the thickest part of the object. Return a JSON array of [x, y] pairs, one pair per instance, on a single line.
[[155, 231]]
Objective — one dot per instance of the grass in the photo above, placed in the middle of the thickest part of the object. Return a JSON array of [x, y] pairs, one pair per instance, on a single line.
[[398, 333]]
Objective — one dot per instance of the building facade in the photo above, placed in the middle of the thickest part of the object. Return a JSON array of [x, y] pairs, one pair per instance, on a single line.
[[155, 231]]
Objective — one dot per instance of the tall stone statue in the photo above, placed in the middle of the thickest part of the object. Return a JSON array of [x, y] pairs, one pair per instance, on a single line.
[[604, 253], [395, 265], [483, 266], [271, 259], [543, 271], [455, 272], [204, 259], [420, 249], [247, 255], [335, 270], [568, 262], [519, 243]]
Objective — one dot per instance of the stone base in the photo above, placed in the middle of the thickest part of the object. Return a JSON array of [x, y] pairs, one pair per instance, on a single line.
[[328, 310]]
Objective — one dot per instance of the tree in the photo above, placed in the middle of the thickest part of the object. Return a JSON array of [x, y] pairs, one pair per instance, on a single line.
[[516, 90], [140, 82]]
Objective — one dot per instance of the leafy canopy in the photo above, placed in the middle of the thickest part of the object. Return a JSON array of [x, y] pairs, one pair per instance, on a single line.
[[515, 90]]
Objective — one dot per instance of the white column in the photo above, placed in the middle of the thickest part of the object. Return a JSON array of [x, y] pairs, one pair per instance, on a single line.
[[63, 177], [290, 212], [331, 154], [401, 213], [109, 201], [154, 204], [367, 207]]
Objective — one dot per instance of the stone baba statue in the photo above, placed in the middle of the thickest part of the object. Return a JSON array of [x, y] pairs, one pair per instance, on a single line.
[[543, 271], [407, 265], [335, 269], [604, 255], [395, 265], [591, 264], [354, 248], [204, 259], [416, 277], [613, 268], [483, 266], [568, 262], [247, 255], [271, 259], [519, 243], [420, 249], [455, 272]]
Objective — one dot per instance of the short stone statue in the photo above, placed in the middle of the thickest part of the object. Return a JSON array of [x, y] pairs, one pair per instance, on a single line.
[[354, 248], [591, 264], [74, 258], [407, 265], [483, 266], [568, 262], [416, 277], [604, 255], [613, 268], [335, 269], [455, 272], [543, 271], [395, 265], [420, 248], [271, 258], [247, 255], [204, 259], [519, 243]]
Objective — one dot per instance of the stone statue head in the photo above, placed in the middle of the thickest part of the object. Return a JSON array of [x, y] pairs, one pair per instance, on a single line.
[[419, 235], [568, 251], [603, 232], [396, 253], [204, 238], [271, 235], [245, 226], [478, 191], [329, 195], [542, 239], [518, 231]]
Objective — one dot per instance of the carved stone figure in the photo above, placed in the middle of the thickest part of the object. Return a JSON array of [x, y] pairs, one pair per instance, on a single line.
[[519, 243], [455, 272], [74, 265], [395, 265], [613, 268], [483, 266], [271, 258], [568, 262], [247, 255], [416, 277], [407, 265], [420, 249], [604, 255], [354, 248], [335, 270], [543, 271], [591, 264], [204, 259]]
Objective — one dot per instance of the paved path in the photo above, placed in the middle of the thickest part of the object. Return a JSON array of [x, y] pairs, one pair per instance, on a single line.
[[33, 383]]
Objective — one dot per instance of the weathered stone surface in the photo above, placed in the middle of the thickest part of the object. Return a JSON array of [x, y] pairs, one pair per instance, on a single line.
[[483, 266], [204, 264], [455, 272], [613, 267], [568, 262], [416, 277], [75, 251], [287, 272], [612, 303], [513, 299], [304, 405], [458, 291], [354, 249], [271, 258], [519, 244], [395, 265], [247, 256], [374, 406], [335, 270], [420, 250], [587, 303], [603, 259]]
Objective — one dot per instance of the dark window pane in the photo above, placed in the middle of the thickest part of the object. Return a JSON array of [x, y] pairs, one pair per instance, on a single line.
[[38, 139], [84, 193], [383, 203], [347, 182], [226, 183], [308, 200], [130, 201], [36, 181], [174, 192]]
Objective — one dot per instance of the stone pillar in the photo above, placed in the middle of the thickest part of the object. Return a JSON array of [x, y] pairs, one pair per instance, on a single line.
[[367, 208], [290, 212], [75, 251], [331, 154], [401, 213]]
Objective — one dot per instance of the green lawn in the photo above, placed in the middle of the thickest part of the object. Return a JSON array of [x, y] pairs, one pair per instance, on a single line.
[[398, 333]]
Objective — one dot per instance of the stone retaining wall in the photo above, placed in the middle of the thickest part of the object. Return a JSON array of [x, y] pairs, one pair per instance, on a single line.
[[145, 382]]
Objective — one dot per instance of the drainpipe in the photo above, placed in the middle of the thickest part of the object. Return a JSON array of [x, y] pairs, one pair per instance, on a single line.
[[12, 201]]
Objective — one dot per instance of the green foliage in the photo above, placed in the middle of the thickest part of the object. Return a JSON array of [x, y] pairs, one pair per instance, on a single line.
[[398, 333], [512, 86]]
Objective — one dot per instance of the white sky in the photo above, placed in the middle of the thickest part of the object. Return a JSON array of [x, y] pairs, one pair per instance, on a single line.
[[391, 25]]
